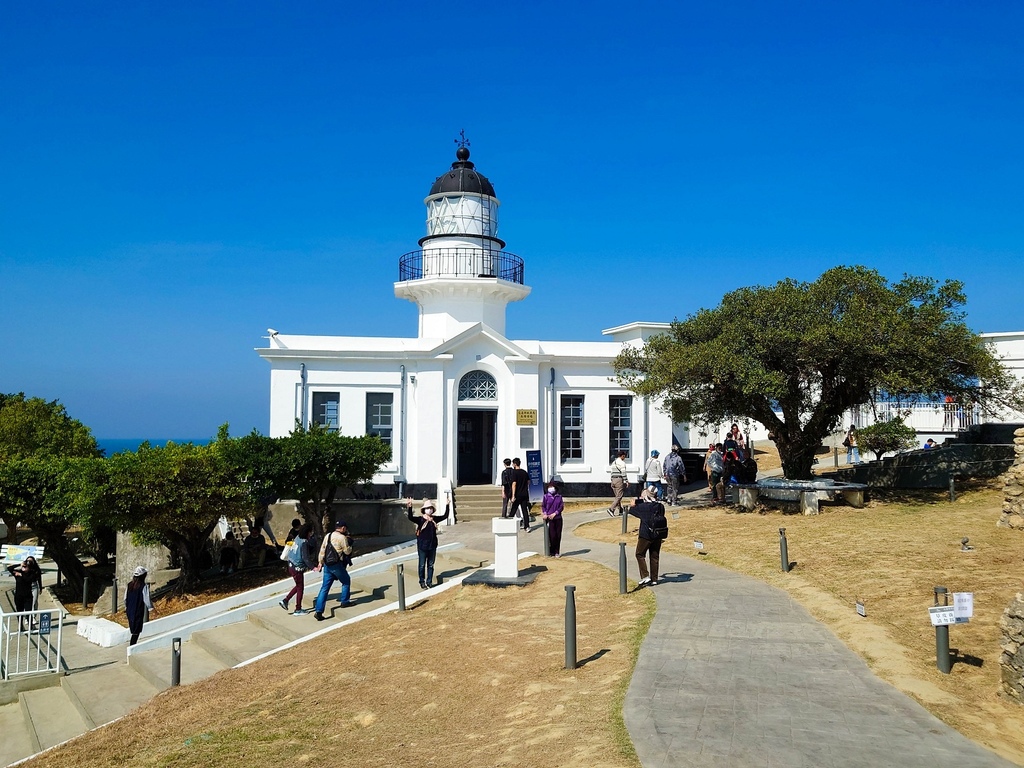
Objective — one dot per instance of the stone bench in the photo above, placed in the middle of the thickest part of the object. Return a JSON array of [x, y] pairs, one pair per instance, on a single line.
[[808, 492]]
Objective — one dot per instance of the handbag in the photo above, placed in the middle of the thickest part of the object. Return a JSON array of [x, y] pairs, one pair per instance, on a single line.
[[286, 553]]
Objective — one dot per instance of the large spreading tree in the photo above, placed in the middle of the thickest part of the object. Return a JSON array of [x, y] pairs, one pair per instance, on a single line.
[[795, 356], [46, 461], [309, 465]]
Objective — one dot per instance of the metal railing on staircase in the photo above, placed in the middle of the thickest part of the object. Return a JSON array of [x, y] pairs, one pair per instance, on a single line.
[[30, 642]]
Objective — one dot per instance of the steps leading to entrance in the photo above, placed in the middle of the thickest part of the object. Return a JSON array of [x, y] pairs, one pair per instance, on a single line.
[[478, 502]]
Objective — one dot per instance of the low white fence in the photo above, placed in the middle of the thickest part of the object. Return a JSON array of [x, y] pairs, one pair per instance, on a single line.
[[927, 417], [30, 642]]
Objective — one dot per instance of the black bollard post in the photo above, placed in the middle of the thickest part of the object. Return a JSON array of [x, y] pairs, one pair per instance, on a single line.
[[835, 455], [784, 550], [570, 627], [625, 518], [85, 593], [622, 567], [175, 662], [547, 541], [401, 586], [943, 660], [113, 596], [952, 488]]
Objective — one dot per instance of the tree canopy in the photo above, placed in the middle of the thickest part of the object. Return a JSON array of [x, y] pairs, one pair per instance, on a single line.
[[173, 495], [795, 356], [308, 465]]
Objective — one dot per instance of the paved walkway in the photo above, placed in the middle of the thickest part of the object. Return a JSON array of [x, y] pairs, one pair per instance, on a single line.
[[735, 673]]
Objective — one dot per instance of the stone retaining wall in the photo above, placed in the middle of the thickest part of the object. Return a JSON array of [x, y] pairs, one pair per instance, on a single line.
[[1011, 662], [1013, 486]]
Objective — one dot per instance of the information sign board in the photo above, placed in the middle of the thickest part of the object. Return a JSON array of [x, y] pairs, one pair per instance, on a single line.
[[698, 545], [44, 624], [942, 615], [963, 606]]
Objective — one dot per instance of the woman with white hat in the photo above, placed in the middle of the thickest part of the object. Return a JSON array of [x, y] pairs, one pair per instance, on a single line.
[[136, 599], [426, 538]]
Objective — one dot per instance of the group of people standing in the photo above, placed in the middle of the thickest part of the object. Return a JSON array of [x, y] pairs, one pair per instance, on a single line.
[[728, 462], [656, 476], [515, 492]]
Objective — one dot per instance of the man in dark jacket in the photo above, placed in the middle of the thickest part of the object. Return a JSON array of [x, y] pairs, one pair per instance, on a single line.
[[675, 471], [506, 486], [521, 492], [652, 517]]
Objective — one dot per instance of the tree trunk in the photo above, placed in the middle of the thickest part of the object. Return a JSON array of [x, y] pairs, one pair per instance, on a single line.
[[58, 548], [797, 455]]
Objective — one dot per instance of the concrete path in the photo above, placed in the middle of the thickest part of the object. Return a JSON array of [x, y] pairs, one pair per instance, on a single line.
[[735, 673]]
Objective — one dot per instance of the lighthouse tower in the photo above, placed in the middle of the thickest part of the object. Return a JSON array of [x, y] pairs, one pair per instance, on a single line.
[[462, 275]]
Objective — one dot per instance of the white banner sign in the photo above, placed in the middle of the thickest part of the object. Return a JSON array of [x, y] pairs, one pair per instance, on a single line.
[[963, 606], [942, 615]]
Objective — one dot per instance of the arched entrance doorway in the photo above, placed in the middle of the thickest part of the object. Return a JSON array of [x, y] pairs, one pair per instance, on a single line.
[[477, 426]]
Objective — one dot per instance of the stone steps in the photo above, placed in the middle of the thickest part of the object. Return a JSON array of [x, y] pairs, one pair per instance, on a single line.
[[478, 502]]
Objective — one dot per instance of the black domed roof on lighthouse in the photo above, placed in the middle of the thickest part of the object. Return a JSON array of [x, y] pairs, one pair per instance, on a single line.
[[463, 177]]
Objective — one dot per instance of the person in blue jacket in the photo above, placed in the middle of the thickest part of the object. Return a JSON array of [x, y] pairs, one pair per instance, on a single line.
[[426, 537]]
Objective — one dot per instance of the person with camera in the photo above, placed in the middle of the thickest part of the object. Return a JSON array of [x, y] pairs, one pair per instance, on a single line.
[[334, 560], [426, 538]]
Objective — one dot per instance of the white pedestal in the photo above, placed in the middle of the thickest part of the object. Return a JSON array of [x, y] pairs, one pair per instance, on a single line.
[[506, 547]]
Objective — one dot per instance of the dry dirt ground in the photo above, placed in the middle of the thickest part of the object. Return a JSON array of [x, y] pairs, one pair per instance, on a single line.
[[473, 677]]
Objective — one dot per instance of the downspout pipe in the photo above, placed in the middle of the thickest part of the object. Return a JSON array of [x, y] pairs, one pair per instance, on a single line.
[[401, 439], [302, 405], [553, 427]]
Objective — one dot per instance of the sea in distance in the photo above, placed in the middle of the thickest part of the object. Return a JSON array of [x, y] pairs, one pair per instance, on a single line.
[[114, 445]]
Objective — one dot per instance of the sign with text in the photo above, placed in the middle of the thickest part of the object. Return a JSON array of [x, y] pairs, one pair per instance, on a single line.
[[861, 610], [698, 544], [963, 606], [942, 615], [533, 467], [526, 417], [44, 624]]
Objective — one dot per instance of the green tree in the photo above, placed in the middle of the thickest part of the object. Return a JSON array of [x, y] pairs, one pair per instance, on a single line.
[[33, 428], [173, 495], [50, 495], [309, 465], [795, 356], [885, 436]]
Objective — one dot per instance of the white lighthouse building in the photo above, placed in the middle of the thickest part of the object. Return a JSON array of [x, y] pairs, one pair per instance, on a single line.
[[460, 396]]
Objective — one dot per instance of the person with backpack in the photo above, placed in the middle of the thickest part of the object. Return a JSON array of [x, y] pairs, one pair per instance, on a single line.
[[653, 531], [300, 560], [675, 471], [426, 538], [334, 560]]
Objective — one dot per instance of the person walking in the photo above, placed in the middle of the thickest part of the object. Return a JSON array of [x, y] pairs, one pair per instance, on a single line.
[[136, 601], [521, 493], [620, 483], [715, 462], [653, 530], [675, 473], [506, 486], [551, 509], [850, 442], [426, 538], [653, 473], [333, 561], [300, 560]]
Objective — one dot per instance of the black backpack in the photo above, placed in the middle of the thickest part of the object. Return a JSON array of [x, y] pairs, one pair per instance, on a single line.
[[659, 525], [333, 556]]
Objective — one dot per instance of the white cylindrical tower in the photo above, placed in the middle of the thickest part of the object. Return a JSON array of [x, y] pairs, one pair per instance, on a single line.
[[461, 275]]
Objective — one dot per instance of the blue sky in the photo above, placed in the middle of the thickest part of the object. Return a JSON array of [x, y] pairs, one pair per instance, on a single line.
[[175, 178]]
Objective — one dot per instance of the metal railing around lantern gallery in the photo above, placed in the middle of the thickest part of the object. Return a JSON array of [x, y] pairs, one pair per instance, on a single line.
[[460, 262]]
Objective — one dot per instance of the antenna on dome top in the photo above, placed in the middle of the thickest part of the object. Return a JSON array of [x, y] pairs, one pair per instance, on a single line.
[[462, 141]]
